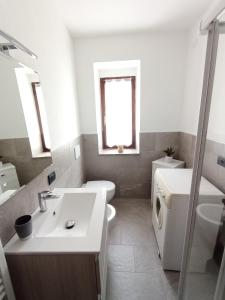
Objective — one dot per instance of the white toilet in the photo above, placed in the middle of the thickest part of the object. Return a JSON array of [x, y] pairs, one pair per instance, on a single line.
[[110, 192], [111, 213], [108, 185]]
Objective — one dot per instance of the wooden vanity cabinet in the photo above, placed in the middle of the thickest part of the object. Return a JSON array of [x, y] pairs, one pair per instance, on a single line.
[[54, 276], [64, 276]]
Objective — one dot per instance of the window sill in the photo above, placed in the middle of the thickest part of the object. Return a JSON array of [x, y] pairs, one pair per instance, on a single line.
[[43, 154], [115, 152]]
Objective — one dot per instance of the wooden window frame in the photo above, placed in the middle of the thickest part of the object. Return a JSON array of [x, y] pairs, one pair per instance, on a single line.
[[44, 148], [102, 94]]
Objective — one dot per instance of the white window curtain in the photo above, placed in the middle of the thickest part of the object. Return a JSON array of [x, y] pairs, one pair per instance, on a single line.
[[118, 112]]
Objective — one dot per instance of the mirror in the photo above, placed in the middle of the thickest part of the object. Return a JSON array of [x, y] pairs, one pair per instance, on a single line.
[[24, 139]]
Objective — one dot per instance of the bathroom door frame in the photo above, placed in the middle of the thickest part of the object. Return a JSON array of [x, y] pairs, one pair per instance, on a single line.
[[214, 30]]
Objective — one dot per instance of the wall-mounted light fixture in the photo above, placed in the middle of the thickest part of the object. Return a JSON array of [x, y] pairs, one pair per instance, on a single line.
[[14, 44]]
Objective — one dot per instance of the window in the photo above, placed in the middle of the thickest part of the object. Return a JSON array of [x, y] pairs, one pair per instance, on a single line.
[[118, 112], [33, 104], [117, 103], [42, 121]]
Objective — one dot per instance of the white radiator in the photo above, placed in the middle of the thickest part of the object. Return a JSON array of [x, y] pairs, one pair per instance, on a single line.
[[2, 290], [6, 289]]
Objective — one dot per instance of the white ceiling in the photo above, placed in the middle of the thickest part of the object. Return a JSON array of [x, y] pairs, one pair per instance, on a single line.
[[96, 17]]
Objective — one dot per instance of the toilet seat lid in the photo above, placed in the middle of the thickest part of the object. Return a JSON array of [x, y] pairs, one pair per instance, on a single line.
[[108, 185]]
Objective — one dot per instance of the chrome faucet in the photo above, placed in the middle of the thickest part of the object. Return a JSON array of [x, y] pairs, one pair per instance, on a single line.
[[42, 197]]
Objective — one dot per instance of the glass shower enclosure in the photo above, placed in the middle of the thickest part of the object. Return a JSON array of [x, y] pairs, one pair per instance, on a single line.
[[203, 268]]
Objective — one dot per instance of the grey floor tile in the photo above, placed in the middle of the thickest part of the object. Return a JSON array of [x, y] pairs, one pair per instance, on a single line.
[[115, 234], [149, 219], [133, 215], [171, 278], [131, 203], [135, 270], [200, 286], [171, 281], [136, 234], [171, 294], [121, 258], [134, 286], [119, 286], [146, 259], [134, 211]]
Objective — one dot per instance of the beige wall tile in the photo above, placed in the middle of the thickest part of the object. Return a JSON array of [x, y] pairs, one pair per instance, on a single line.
[[130, 173]]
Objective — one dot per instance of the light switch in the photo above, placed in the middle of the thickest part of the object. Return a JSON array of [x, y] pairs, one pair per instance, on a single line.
[[77, 151], [221, 161]]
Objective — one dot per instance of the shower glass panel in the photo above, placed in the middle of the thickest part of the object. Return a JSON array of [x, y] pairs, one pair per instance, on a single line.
[[209, 232]]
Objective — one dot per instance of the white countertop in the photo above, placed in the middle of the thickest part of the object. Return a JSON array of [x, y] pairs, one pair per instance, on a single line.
[[91, 243], [178, 181], [6, 166], [174, 163]]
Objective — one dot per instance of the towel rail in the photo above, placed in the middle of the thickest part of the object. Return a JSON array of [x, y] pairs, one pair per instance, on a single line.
[[2, 290], [6, 289]]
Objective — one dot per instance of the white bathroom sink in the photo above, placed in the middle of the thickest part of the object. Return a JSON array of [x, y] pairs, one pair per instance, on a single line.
[[208, 221], [210, 214], [73, 207], [87, 207]]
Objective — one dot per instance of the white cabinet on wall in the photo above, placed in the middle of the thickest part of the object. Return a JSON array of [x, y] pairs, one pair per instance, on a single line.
[[8, 178]]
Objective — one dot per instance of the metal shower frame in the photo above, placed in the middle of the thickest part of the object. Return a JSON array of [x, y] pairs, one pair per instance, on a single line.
[[214, 29]]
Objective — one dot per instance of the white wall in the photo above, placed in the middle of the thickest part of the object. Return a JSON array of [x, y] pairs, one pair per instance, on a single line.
[[163, 68], [37, 26], [194, 79], [216, 129], [12, 122], [193, 88]]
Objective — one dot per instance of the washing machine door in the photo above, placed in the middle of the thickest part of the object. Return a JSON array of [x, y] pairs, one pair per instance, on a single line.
[[159, 210]]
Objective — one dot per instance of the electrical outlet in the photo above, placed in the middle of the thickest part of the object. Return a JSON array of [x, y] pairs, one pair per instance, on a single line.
[[51, 177], [221, 161]]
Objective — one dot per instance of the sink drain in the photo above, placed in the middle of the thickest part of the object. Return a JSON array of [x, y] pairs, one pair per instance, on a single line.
[[70, 224]]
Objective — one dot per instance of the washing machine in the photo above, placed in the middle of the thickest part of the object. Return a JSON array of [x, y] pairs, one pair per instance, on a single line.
[[170, 207], [161, 163]]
